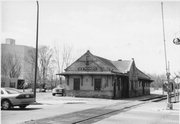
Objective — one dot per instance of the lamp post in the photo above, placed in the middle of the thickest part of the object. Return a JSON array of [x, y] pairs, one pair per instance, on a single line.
[[35, 79], [169, 104]]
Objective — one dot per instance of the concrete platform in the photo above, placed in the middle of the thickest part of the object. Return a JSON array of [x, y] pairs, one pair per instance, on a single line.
[[151, 113]]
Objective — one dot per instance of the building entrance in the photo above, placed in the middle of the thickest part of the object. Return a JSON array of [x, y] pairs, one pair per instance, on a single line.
[[76, 83]]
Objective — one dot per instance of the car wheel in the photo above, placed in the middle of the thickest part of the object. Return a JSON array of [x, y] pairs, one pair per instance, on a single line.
[[53, 94], [22, 106], [5, 104]]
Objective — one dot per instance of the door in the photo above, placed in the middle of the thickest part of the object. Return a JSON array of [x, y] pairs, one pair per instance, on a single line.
[[143, 87], [97, 84], [114, 89], [125, 87], [20, 84], [76, 83]]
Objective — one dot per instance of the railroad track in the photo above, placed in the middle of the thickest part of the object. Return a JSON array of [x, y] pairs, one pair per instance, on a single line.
[[96, 114], [157, 98]]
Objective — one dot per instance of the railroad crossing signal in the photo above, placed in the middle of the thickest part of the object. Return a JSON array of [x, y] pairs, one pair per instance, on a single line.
[[168, 87]]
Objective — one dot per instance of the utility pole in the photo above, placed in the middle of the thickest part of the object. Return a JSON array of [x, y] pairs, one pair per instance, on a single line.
[[169, 104], [35, 80]]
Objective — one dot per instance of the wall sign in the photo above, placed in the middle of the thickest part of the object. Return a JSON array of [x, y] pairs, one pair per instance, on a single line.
[[87, 68]]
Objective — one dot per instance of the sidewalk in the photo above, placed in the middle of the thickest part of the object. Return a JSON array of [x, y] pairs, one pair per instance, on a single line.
[[151, 113]]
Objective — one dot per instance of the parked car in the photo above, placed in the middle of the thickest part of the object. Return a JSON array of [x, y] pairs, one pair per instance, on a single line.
[[58, 90], [42, 90], [11, 97]]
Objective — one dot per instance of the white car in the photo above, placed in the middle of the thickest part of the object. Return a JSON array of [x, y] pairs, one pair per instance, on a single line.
[[11, 97], [58, 90]]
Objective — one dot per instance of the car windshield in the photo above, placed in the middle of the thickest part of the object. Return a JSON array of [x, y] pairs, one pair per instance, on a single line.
[[12, 91], [59, 86]]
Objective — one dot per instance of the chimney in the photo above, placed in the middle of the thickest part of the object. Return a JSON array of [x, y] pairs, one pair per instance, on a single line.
[[10, 41]]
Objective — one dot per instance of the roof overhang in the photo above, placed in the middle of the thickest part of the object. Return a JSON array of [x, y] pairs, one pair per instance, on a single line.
[[91, 73], [149, 80], [85, 73]]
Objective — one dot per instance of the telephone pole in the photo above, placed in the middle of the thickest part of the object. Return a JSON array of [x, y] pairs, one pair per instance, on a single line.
[[169, 104], [37, 26]]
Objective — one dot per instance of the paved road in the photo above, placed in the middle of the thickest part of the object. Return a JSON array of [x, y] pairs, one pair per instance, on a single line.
[[52, 106], [87, 115], [69, 110]]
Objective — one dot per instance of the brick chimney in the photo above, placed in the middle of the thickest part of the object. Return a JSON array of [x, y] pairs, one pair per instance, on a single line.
[[10, 41]]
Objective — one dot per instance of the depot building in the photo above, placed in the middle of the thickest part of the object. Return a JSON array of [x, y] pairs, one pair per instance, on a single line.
[[94, 76]]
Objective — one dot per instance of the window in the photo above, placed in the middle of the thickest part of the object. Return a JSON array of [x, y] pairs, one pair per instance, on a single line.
[[132, 87], [67, 80], [97, 84], [136, 83], [2, 92], [12, 91], [107, 82], [81, 80], [112, 81], [119, 83], [2, 84], [92, 82], [76, 83], [12, 84]]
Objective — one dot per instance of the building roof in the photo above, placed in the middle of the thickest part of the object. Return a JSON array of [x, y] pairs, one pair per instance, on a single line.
[[120, 67], [86, 73], [141, 75], [123, 66], [107, 62]]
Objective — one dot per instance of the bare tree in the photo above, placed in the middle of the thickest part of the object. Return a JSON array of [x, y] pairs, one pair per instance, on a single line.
[[57, 58], [30, 59], [157, 80], [66, 56], [10, 66], [62, 58], [45, 57]]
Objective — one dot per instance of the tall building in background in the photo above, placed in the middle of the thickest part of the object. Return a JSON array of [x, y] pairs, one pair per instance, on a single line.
[[21, 55]]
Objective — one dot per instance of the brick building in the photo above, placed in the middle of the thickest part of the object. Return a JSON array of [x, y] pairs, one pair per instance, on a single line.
[[93, 76], [21, 53]]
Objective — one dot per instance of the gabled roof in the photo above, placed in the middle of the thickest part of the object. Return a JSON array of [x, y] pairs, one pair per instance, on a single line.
[[123, 66], [107, 62], [119, 67], [142, 75]]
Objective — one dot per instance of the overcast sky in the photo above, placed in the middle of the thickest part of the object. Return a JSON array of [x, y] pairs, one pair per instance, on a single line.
[[113, 30]]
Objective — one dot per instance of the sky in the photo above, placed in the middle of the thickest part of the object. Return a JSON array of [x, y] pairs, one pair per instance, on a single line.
[[111, 29]]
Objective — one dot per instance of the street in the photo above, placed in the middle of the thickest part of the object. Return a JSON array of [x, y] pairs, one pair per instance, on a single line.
[[50, 109], [48, 106]]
